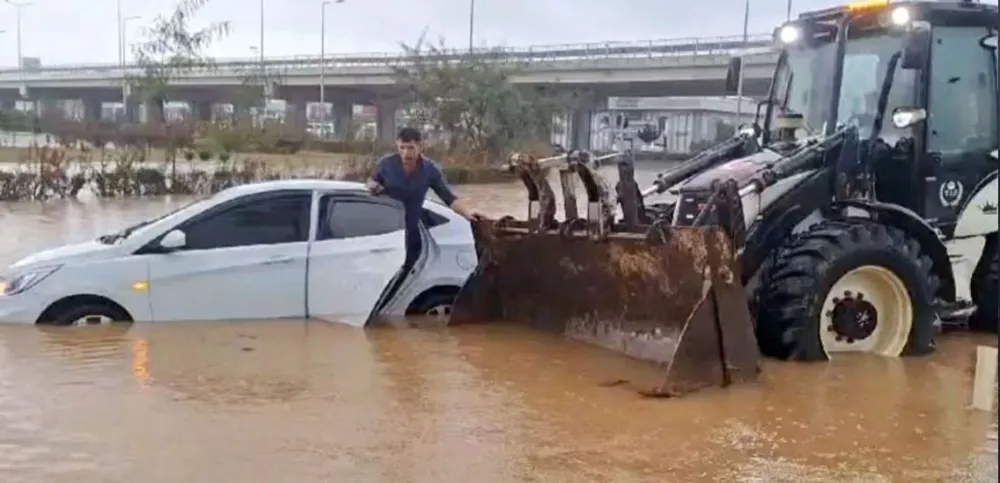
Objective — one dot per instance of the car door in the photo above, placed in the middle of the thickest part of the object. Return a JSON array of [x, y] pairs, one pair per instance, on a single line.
[[245, 259], [359, 248]]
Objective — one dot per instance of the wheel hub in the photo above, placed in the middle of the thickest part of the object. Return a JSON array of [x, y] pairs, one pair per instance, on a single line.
[[853, 318]]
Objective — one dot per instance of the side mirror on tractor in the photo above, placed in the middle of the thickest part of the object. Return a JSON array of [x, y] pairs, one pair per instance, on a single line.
[[916, 46], [733, 73]]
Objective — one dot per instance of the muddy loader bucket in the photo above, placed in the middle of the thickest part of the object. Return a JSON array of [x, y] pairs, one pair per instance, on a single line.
[[671, 296]]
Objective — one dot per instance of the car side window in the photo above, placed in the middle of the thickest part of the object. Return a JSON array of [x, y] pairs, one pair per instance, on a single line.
[[268, 221], [357, 218]]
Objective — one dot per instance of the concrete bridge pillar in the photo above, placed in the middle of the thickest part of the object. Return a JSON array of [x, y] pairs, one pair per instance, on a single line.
[[92, 109], [50, 108], [343, 117], [580, 119], [132, 111], [242, 112], [202, 110], [296, 112], [580, 123], [154, 112], [385, 120]]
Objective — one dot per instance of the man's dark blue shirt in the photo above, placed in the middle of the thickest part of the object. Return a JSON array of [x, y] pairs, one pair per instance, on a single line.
[[411, 190]]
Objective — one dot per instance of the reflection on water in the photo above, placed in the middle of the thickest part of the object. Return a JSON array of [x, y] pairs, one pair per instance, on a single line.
[[300, 402]]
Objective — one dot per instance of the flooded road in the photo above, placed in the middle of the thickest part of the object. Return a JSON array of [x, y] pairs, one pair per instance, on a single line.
[[303, 402]]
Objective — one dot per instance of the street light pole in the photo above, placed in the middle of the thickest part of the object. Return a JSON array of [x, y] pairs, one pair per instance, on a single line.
[[20, 56], [472, 23], [322, 52], [123, 56], [260, 50], [121, 42], [739, 85], [788, 10]]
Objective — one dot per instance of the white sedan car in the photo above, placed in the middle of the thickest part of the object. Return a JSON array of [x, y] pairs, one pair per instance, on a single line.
[[280, 249]]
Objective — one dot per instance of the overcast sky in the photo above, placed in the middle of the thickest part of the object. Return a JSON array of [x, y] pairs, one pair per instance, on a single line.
[[78, 31]]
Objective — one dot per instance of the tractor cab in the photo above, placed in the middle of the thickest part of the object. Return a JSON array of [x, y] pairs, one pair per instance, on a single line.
[[917, 79]]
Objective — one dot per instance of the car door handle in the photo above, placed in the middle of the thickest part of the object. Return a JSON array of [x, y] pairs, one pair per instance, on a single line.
[[380, 250], [277, 260]]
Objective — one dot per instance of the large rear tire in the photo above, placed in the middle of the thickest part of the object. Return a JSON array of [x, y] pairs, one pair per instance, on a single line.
[[847, 287], [985, 292]]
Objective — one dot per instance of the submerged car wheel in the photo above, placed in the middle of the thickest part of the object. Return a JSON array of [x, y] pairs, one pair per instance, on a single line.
[[848, 287], [436, 304], [87, 314]]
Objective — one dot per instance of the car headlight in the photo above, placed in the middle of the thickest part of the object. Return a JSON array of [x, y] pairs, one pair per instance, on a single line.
[[19, 282]]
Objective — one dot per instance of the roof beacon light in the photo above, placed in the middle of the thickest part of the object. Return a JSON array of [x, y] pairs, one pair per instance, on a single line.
[[854, 7]]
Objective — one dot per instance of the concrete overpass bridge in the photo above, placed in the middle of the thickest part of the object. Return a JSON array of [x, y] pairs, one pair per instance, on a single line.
[[673, 67]]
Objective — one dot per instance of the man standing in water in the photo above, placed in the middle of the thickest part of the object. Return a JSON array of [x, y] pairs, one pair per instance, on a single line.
[[406, 176]]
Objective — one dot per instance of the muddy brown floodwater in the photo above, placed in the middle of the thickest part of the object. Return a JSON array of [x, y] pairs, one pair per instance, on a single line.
[[304, 401]]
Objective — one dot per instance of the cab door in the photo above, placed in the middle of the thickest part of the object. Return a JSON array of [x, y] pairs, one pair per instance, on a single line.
[[961, 127]]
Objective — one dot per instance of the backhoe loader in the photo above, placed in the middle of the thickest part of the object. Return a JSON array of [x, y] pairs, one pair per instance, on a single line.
[[817, 231]]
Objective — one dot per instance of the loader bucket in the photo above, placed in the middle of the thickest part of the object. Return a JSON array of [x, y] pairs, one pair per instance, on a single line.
[[672, 297]]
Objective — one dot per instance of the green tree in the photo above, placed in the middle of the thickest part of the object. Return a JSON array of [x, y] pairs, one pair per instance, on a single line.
[[170, 47], [472, 102]]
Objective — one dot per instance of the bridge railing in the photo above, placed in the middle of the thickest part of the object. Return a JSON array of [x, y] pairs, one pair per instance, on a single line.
[[535, 54]]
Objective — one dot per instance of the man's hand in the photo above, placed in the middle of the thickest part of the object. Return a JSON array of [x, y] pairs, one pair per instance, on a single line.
[[473, 215], [467, 212], [374, 188]]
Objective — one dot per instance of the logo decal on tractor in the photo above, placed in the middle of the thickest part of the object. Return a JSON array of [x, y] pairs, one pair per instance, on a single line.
[[989, 208], [950, 193]]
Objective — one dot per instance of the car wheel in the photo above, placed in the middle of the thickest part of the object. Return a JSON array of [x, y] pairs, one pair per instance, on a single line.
[[89, 314], [435, 305]]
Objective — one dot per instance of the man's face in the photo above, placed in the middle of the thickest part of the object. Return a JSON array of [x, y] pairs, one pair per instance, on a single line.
[[409, 151]]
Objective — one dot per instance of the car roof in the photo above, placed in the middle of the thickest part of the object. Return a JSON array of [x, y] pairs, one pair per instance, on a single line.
[[291, 184], [315, 185]]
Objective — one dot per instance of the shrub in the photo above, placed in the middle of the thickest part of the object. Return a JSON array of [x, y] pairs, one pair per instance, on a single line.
[[188, 155], [204, 155]]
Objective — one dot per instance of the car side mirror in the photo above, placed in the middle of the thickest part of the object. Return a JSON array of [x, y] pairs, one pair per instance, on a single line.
[[173, 240], [733, 73], [916, 46], [904, 117]]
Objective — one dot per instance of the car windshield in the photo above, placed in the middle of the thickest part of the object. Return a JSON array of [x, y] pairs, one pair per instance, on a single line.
[[126, 232], [865, 62]]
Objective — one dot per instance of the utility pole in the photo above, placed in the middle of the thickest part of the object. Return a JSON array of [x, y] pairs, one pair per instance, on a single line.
[[472, 23], [20, 55], [746, 38], [260, 50], [123, 58], [322, 50], [788, 11]]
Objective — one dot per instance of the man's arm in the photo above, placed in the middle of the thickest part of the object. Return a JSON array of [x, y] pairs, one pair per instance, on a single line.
[[377, 182], [440, 187]]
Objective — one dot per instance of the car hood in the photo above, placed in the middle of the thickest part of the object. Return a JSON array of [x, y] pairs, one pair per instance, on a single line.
[[65, 253]]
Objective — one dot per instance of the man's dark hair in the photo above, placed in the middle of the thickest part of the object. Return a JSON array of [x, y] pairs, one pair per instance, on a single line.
[[408, 135]]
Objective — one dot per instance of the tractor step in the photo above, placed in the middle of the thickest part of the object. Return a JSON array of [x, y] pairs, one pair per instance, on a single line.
[[955, 315]]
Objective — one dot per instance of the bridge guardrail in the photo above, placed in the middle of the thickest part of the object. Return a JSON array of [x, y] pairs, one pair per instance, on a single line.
[[546, 53]]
